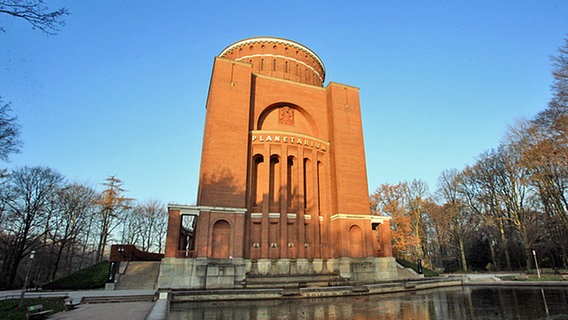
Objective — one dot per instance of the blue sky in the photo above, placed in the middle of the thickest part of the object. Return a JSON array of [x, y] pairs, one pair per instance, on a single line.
[[121, 89]]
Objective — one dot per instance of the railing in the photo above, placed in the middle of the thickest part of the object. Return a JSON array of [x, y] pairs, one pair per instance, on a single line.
[[185, 254], [35, 294]]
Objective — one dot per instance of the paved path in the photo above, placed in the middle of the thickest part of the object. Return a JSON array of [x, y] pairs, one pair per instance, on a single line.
[[105, 311], [75, 295], [94, 311], [483, 277]]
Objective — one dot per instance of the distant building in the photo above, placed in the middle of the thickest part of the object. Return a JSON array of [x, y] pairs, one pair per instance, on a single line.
[[283, 183]]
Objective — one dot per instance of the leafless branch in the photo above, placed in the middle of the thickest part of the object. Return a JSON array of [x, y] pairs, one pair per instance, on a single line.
[[36, 13]]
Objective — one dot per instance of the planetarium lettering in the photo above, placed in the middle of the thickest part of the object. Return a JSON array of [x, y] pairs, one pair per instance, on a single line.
[[295, 140]]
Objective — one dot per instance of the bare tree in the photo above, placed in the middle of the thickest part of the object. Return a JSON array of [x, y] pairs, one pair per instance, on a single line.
[[144, 226], [417, 192], [437, 234], [36, 13], [112, 206], [75, 205], [460, 220], [160, 229], [27, 198], [480, 189], [9, 132], [68, 225], [156, 218], [131, 225], [550, 153]]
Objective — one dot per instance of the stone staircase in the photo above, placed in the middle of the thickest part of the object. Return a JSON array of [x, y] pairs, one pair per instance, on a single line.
[[255, 281], [406, 273], [139, 275]]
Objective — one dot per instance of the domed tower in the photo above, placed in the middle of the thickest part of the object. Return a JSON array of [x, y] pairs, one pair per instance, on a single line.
[[283, 176], [279, 58]]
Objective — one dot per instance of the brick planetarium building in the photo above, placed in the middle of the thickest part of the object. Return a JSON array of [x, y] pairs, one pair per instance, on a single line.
[[283, 183]]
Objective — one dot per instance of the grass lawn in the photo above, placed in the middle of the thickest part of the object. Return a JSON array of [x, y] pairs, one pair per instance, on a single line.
[[9, 308], [93, 277]]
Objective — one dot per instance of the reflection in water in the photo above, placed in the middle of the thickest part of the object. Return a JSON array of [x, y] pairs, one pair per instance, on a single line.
[[448, 303]]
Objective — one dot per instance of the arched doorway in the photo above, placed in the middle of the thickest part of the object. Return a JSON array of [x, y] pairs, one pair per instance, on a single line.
[[220, 248], [356, 244]]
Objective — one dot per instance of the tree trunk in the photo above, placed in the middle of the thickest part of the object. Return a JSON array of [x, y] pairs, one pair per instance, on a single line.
[[504, 244], [462, 255], [57, 259], [493, 258], [14, 271]]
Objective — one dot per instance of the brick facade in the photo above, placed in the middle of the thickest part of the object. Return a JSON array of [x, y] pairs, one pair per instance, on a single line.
[[283, 172]]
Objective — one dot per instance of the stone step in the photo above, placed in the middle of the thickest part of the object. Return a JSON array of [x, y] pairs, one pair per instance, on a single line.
[[139, 275], [293, 281], [118, 299], [255, 278]]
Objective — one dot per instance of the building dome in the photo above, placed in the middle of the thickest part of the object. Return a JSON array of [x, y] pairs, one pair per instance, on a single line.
[[280, 58]]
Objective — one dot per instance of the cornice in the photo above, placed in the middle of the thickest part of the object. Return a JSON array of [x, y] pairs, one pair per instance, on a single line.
[[281, 41]]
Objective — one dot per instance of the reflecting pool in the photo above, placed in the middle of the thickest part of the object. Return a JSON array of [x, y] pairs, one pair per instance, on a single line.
[[446, 303]]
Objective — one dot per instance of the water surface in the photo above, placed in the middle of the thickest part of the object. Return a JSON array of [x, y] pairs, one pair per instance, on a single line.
[[446, 303]]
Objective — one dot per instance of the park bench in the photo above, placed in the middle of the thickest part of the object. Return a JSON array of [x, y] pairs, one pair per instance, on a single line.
[[68, 303], [37, 312]]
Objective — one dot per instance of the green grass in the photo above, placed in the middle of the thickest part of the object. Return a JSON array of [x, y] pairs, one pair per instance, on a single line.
[[93, 277], [9, 309], [407, 264]]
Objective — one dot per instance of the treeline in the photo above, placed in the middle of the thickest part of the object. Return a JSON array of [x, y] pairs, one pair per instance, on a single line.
[[500, 212], [69, 225]]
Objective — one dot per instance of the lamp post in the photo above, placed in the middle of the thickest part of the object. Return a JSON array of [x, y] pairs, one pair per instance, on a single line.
[[32, 255], [536, 264]]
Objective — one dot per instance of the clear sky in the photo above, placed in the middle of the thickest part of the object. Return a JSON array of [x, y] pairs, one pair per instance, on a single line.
[[121, 89]]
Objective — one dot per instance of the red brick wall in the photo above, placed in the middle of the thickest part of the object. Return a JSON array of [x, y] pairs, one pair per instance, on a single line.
[[246, 100], [224, 157], [278, 59], [172, 237], [349, 167], [129, 252]]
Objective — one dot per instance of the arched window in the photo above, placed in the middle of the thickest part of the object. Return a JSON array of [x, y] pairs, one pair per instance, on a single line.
[[320, 185], [274, 184], [256, 185], [291, 183], [308, 185]]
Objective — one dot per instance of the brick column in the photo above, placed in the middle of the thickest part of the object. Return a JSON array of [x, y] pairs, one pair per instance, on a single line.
[[385, 239], [172, 237]]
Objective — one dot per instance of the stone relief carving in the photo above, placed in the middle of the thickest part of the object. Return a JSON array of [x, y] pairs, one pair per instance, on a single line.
[[286, 116]]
